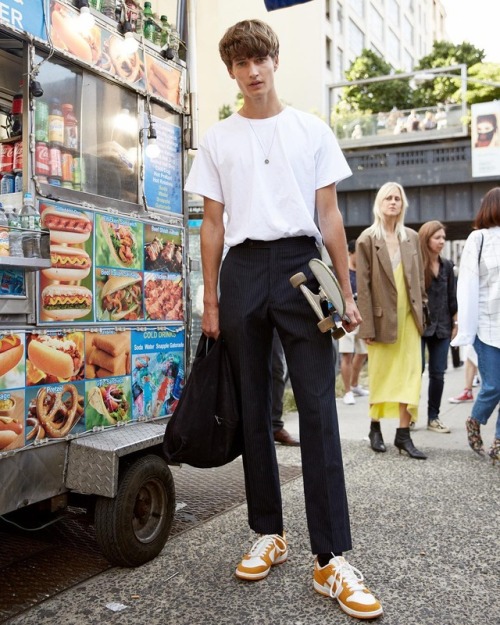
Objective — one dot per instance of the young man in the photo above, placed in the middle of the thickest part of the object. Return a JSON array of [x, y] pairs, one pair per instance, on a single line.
[[353, 352], [272, 169]]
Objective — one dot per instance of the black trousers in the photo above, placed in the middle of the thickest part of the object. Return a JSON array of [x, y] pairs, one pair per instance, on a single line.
[[255, 297]]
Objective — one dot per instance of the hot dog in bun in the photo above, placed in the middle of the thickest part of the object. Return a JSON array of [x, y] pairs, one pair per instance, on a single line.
[[55, 355], [65, 302], [68, 227], [11, 352], [67, 263], [122, 297]]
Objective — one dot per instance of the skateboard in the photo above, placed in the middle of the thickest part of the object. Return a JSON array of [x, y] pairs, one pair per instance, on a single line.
[[329, 291]]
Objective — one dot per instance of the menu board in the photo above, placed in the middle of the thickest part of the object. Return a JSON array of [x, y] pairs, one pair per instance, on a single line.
[[108, 268], [25, 16], [163, 174], [57, 384]]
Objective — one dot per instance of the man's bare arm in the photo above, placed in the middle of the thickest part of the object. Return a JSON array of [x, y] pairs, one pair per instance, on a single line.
[[212, 246]]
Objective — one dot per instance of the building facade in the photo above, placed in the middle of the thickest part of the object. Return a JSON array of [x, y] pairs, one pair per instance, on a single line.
[[318, 42]]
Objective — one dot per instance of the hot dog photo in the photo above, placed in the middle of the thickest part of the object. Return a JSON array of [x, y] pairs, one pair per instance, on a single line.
[[11, 420], [12, 361], [119, 242], [65, 288], [54, 357]]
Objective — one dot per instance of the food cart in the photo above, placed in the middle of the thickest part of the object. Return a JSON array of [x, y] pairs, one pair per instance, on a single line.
[[93, 338]]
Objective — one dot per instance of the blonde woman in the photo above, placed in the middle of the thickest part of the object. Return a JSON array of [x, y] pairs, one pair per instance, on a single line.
[[391, 294]]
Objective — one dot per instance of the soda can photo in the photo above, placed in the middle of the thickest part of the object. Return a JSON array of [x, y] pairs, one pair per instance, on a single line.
[[6, 157], [67, 167], [42, 161], [18, 157], [55, 162]]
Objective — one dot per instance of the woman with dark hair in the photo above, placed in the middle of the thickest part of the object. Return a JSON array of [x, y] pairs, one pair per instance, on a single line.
[[486, 128], [442, 296], [479, 316], [391, 293]]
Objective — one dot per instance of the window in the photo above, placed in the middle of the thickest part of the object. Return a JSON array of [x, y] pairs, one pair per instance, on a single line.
[[358, 6], [376, 23], [338, 72], [103, 152], [407, 61], [393, 8], [393, 47], [407, 31], [328, 9], [339, 21], [328, 52], [356, 39]]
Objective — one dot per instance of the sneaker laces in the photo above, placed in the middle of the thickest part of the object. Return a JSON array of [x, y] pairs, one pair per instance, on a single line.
[[263, 544], [348, 574]]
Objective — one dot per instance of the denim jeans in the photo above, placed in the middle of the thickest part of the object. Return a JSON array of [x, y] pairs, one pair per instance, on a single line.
[[438, 359], [488, 360]]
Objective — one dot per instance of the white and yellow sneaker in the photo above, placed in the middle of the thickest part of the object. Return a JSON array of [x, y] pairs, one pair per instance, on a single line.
[[341, 581], [267, 551]]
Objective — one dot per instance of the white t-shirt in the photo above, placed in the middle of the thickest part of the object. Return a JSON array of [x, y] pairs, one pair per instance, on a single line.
[[267, 201]]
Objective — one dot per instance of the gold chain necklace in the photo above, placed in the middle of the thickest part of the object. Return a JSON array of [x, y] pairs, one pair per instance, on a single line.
[[266, 156]]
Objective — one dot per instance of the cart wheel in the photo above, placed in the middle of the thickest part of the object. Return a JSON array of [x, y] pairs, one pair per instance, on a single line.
[[338, 333], [133, 527], [297, 279], [326, 325]]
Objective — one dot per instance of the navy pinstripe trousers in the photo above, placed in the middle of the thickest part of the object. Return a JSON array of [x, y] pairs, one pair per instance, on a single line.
[[255, 296]]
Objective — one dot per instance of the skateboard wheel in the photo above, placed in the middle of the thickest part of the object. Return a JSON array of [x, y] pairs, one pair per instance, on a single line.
[[326, 324], [297, 279], [338, 333]]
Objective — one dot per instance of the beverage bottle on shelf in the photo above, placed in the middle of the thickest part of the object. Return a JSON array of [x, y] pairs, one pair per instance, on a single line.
[[56, 123], [134, 15], [4, 232], [157, 31], [17, 112], [18, 182], [165, 30], [95, 4], [108, 8], [70, 127], [15, 234], [30, 223], [148, 22], [41, 121]]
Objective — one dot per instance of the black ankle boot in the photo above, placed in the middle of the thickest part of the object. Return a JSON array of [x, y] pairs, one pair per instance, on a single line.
[[404, 443], [375, 436]]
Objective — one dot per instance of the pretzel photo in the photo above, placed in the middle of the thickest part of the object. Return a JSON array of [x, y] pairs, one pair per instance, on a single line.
[[57, 412]]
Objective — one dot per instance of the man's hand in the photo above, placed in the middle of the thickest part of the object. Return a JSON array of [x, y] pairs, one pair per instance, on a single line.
[[351, 310], [210, 321]]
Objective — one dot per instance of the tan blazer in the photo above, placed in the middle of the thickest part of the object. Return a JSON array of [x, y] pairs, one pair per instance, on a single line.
[[377, 294]]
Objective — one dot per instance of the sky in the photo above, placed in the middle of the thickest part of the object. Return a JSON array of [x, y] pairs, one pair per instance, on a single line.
[[477, 22]]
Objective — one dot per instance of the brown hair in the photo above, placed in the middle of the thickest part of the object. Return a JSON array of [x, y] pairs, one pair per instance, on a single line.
[[246, 40], [489, 213], [426, 232]]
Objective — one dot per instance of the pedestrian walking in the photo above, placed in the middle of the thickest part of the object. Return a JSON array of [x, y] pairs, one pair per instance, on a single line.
[[280, 377], [271, 169], [391, 295], [442, 303], [479, 316]]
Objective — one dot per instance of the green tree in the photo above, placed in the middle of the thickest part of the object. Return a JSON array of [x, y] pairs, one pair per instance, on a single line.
[[376, 96], [443, 88]]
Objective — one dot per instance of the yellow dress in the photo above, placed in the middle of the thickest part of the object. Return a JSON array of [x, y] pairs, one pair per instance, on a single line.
[[395, 369]]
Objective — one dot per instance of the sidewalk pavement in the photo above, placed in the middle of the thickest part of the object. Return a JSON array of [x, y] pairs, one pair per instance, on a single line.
[[425, 534]]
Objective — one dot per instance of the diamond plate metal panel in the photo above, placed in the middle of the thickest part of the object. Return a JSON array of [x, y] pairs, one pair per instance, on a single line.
[[93, 461]]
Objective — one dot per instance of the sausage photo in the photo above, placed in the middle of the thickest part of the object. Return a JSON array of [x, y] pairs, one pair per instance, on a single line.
[[55, 355], [11, 352], [66, 227], [66, 302]]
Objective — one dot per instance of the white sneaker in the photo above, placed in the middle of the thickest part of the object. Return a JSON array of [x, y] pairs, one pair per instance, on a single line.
[[267, 551], [349, 398], [359, 391], [435, 425]]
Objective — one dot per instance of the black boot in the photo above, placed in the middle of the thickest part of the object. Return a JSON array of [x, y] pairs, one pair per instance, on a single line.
[[375, 436], [404, 443]]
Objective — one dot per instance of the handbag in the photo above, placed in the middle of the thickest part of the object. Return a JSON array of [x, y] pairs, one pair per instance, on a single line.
[[426, 316], [205, 430]]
